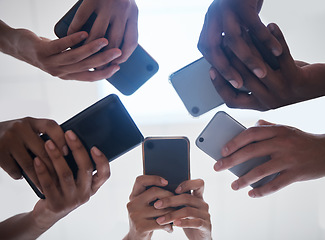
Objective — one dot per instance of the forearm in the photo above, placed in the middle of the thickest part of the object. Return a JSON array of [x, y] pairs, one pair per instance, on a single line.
[[7, 39], [315, 78], [134, 236], [21, 226]]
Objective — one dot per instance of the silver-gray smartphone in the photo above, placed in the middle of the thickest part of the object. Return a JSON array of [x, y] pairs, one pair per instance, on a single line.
[[167, 157], [220, 130], [195, 88]]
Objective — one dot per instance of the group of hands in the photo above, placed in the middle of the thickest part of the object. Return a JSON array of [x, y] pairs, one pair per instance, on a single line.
[[235, 61]]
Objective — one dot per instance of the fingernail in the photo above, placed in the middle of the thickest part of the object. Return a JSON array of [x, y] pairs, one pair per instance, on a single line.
[[218, 165], [164, 181], [235, 185], [178, 189], [169, 229], [160, 220], [65, 150], [276, 52], [96, 151], [50, 145], [213, 74], [251, 194], [37, 162], [102, 44], [158, 204], [224, 151], [83, 35], [234, 83], [71, 135], [259, 72], [116, 69], [177, 223]]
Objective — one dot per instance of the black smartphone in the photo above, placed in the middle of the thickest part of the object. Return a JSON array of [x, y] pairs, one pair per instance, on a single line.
[[133, 73], [167, 157], [106, 125]]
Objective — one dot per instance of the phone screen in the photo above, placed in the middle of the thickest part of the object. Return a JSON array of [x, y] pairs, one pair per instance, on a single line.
[[167, 158]]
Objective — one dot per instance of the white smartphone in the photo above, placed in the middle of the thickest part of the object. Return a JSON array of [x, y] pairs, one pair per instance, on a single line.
[[220, 130], [195, 88]]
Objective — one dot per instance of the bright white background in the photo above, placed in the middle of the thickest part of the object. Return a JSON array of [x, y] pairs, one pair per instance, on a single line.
[[169, 31]]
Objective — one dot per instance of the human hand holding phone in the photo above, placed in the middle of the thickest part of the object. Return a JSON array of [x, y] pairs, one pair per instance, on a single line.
[[142, 214], [194, 217], [20, 137], [116, 20], [295, 155]]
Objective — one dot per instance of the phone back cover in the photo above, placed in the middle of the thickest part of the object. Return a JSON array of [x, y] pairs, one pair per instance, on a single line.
[[195, 88], [220, 130]]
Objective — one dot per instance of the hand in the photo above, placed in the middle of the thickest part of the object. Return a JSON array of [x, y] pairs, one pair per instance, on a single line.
[[117, 20], [55, 57], [296, 155], [20, 137], [231, 18], [194, 217], [294, 82], [141, 213], [70, 193]]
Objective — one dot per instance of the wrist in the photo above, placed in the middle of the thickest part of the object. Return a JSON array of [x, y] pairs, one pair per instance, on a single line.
[[132, 235]]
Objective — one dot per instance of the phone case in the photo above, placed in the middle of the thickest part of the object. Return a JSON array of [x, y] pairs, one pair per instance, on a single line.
[[220, 130], [133, 73], [167, 157], [195, 88], [106, 125]]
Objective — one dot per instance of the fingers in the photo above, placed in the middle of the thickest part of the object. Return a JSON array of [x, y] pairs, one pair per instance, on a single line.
[[144, 181], [90, 76], [210, 46], [66, 180], [48, 185], [197, 186], [130, 40], [282, 180], [99, 28], [185, 212], [59, 45], [85, 166], [80, 18], [235, 41], [253, 134], [53, 130], [103, 169]]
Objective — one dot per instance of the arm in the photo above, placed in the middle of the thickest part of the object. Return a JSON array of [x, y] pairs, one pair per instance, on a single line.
[[141, 213], [117, 20], [293, 82], [62, 197], [55, 57], [296, 155], [20, 137], [231, 18], [194, 217]]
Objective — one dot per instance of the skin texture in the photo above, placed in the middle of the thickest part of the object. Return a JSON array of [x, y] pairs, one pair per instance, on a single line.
[[62, 197], [225, 23], [55, 56], [294, 82], [21, 136], [296, 155], [144, 217], [117, 20]]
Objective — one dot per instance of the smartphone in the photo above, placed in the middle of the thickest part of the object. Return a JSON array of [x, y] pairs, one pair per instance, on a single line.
[[106, 125], [220, 130], [167, 157], [133, 73], [195, 88]]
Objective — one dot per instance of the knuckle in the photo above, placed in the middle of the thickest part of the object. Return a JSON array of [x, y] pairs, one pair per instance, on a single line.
[[124, 5], [67, 176]]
